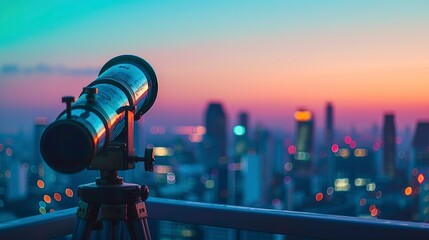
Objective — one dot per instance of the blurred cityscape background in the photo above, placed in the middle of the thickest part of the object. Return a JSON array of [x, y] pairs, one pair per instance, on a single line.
[[306, 106], [375, 173]]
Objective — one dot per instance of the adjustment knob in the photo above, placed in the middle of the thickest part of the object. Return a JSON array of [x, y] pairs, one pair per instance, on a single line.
[[149, 158], [68, 100], [90, 93]]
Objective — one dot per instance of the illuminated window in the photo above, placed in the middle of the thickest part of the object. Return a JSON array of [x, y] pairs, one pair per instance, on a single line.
[[302, 156], [40, 184], [239, 130], [69, 192], [408, 191], [47, 199], [342, 184], [360, 152], [420, 178], [344, 153], [371, 187], [162, 151], [57, 197]]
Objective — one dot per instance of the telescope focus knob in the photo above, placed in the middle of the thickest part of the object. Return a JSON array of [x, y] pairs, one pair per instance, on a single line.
[[68, 100], [148, 159], [90, 93]]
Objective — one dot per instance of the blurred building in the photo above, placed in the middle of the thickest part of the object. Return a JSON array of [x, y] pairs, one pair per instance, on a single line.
[[421, 164], [329, 124], [215, 139], [303, 153], [264, 148], [328, 157], [252, 180], [389, 146], [214, 148], [241, 147], [303, 157], [37, 163]]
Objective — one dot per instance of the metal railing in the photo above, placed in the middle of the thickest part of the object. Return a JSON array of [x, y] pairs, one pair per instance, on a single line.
[[302, 224]]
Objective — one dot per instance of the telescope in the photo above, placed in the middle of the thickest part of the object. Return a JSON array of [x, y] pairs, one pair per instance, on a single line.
[[96, 131]]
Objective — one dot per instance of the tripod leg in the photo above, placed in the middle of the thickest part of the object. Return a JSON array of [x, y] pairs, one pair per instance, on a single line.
[[137, 224], [87, 216], [112, 216], [110, 230]]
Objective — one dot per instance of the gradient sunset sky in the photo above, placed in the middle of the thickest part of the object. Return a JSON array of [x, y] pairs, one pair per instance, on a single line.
[[268, 58]]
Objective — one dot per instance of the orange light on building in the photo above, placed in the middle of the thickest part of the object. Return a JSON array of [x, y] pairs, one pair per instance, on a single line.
[[408, 191], [47, 199], [420, 178], [319, 197], [372, 207], [40, 184], [303, 116], [69, 192], [57, 197]]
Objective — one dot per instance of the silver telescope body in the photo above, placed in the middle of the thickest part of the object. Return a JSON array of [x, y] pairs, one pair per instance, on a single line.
[[87, 126]]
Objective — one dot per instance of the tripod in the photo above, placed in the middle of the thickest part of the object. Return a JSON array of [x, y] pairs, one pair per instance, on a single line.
[[108, 203]]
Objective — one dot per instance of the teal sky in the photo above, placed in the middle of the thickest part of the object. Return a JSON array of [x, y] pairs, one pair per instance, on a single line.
[[52, 31], [265, 57]]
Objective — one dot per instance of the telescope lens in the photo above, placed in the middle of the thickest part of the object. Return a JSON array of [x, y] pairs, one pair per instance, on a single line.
[[67, 147]]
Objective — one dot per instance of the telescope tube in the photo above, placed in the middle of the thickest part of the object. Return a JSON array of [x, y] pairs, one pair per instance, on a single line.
[[82, 131]]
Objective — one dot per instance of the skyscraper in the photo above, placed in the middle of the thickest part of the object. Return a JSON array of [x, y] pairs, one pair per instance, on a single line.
[[241, 135], [37, 165], [40, 124], [329, 164], [329, 127], [303, 140], [214, 144], [303, 158], [421, 162], [215, 140], [241, 147], [389, 145], [421, 145]]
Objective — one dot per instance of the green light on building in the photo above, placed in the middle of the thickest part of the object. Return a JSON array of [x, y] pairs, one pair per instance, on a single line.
[[239, 130]]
